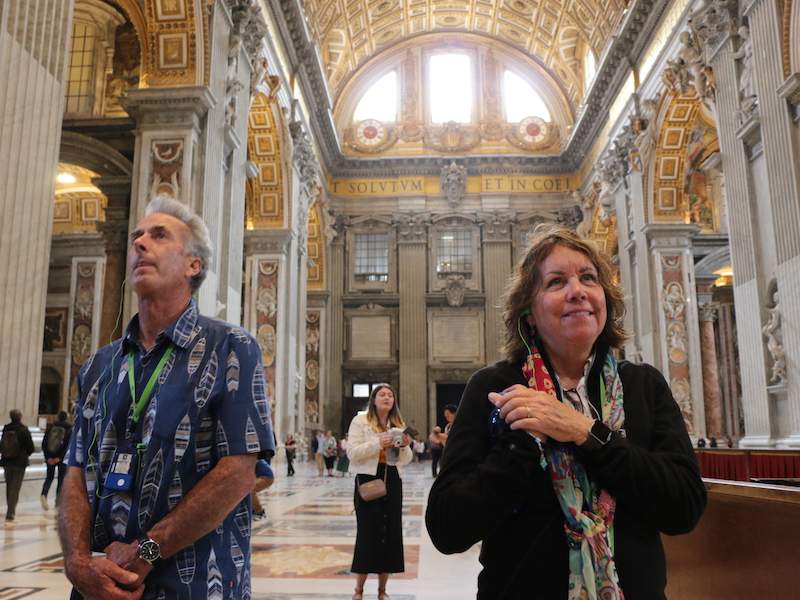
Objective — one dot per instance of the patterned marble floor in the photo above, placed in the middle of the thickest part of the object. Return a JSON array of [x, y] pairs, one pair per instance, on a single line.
[[301, 551]]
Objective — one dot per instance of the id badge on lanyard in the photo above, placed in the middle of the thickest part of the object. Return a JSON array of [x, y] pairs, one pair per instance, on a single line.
[[122, 474]]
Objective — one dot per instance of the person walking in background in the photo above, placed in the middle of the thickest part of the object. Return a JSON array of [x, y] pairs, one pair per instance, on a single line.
[[16, 445], [449, 412], [342, 462], [318, 446], [377, 448], [291, 451], [54, 447], [329, 451]]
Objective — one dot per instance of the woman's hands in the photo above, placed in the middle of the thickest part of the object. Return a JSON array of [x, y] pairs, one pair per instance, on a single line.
[[387, 440], [541, 414]]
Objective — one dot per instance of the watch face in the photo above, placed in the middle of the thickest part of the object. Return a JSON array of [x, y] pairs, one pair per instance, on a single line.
[[149, 550]]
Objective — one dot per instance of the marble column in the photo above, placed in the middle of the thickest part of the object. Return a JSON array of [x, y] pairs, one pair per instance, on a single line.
[[673, 269], [764, 17], [34, 46], [413, 392], [748, 285], [115, 234], [497, 265], [332, 400], [711, 389]]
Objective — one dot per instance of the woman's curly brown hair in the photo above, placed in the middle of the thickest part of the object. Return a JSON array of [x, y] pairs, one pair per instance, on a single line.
[[526, 279]]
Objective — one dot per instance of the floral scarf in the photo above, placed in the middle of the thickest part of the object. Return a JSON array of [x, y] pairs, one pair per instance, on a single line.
[[589, 513]]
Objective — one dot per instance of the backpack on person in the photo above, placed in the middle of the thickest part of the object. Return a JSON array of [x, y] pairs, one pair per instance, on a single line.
[[9, 444], [56, 439]]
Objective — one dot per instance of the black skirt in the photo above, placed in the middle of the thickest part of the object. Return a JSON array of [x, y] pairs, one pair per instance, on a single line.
[[379, 533]]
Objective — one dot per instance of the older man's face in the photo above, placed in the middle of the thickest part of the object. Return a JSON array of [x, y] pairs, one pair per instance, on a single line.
[[157, 259]]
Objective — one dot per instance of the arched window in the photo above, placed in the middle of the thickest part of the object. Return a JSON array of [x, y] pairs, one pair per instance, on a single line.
[[450, 85], [589, 69], [379, 101], [521, 100]]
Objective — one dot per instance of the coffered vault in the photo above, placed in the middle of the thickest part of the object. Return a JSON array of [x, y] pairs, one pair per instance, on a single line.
[[556, 32], [332, 40]]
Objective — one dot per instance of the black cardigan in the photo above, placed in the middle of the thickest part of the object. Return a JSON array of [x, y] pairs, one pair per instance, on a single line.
[[498, 494]]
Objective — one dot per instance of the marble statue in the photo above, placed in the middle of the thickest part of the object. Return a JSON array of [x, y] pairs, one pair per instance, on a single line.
[[587, 204], [772, 331], [747, 93]]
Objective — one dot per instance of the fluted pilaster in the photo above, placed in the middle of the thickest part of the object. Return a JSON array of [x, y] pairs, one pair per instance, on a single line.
[[741, 220], [332, 402], [34, 43], [781, 159], [413, 330], [497, 264]]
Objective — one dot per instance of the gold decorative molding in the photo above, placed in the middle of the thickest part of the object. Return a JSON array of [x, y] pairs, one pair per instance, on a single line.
[[264, 192], [316, 249], [392, 187], [685, 140], [786, 38], [172, 40]]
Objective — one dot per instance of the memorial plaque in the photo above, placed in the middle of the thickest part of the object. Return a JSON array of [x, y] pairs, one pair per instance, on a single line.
[[370, 338], [456, 338]]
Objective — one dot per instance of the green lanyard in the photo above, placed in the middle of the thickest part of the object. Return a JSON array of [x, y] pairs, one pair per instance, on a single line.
[[141, 403]]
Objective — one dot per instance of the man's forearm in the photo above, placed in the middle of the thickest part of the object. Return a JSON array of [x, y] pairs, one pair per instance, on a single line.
[[74, 518], [206, 505]]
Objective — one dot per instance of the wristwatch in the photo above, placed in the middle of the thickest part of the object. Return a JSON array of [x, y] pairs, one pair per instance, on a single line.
[[149, 550], [599, 436]]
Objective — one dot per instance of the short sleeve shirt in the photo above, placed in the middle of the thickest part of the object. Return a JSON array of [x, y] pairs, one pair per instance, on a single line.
[[209, 401]]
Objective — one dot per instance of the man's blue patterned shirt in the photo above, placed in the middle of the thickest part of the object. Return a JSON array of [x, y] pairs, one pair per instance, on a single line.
[[210, 401]]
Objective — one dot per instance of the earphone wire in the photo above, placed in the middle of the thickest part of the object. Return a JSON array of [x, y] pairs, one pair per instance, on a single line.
[[521, 335]]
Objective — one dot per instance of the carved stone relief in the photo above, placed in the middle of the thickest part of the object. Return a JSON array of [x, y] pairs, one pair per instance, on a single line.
[[748, 101], [454, 289], [83, 322], [312, 366], [774, 339], [267, 314], [167, 162], [454, 183]]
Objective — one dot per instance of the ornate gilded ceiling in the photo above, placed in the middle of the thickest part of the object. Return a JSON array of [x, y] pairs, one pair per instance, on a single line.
[[349, 32]]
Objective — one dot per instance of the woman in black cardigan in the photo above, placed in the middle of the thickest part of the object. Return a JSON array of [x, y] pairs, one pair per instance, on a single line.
[[566, 464]]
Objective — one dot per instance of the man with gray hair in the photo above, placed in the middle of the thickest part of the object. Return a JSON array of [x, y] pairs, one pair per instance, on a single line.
[[170, 421]]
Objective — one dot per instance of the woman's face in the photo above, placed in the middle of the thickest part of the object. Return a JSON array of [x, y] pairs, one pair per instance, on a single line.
[[384, 400], [569, 308]]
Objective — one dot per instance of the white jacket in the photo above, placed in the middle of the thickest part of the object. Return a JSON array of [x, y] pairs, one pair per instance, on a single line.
[[364, 447]]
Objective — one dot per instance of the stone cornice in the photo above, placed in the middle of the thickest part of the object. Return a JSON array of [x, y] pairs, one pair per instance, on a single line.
[[628, 44], [157, 106]]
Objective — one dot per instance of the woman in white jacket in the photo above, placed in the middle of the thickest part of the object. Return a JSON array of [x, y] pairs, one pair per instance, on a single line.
[[374, 453]]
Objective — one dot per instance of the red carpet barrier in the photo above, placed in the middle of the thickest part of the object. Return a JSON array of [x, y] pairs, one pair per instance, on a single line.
[[744, 465]]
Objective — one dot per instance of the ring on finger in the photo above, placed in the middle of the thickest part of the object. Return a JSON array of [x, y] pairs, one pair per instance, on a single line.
[[530, 415]]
